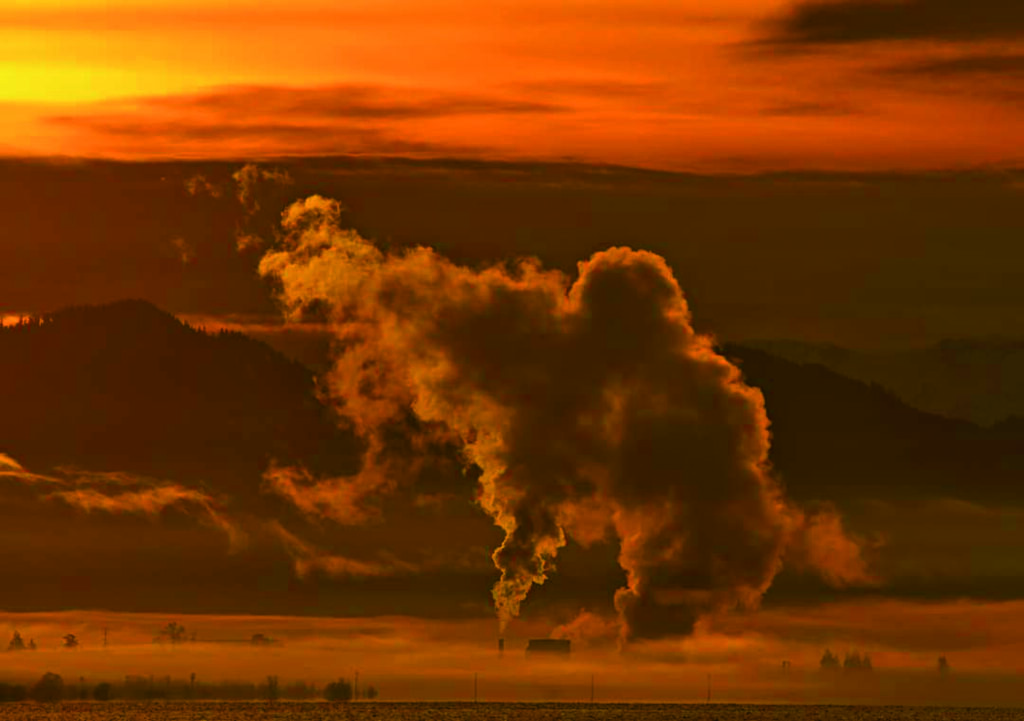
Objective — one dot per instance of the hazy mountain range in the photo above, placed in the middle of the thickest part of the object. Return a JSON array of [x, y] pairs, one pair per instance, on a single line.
[[82, 388], [977, 379], [128, 388]]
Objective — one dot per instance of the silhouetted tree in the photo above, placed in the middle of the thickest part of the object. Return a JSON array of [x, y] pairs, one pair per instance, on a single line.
[[16, 644], [371, 692], [340, 690], [829, 661], [103, 691], [31, 644], [943, 665], [173, 632], [272, 688], [49, 688], [855, 662], [70, 641]]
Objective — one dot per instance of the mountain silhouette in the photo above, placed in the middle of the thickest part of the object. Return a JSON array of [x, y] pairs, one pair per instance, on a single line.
[[125, 398], [980, 380], [129, 387], [837, 438]]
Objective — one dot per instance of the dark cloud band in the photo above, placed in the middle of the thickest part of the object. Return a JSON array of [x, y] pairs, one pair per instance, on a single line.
[[855, 21]]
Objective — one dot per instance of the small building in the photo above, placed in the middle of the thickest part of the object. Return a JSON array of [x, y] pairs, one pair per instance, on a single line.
[[547, 646]]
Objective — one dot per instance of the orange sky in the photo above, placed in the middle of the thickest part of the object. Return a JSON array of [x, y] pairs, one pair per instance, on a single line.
[[652, 83], [149, 468]]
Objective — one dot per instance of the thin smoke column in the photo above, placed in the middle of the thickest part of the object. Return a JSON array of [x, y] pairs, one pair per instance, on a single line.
[[589, 404]]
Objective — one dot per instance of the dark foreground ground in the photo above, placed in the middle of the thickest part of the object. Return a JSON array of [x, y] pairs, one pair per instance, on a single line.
[[303, 711]]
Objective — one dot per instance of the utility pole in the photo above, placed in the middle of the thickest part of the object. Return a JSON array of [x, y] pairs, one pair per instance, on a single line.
[[474, 687], [104, 637]]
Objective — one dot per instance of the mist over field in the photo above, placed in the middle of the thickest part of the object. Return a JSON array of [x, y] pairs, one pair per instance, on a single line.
[[414, 660]]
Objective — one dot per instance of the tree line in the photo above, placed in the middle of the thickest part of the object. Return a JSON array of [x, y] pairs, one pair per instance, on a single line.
[[52, 688], [857, 662], [173, 633]]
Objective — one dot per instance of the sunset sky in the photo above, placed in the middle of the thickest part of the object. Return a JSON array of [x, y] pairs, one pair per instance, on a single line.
[[690, 331], [738, 85]]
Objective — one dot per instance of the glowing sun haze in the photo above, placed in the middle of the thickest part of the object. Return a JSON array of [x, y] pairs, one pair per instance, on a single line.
[[739, 84]]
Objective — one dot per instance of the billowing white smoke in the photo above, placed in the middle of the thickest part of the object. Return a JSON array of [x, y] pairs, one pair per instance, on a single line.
[[588, 404]]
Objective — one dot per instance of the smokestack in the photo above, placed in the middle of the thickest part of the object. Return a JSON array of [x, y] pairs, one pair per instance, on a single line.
[[501, 647]]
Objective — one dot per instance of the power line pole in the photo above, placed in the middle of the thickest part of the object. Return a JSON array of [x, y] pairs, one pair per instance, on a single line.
[[104, 637], [474, 687]]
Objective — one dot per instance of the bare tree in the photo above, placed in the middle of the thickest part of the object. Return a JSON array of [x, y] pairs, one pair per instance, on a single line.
[[173, 632]]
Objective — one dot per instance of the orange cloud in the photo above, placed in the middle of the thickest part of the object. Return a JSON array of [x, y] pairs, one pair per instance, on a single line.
[[308, 559], [91, 492], [655, 83], [347, 501], [12, 470], [152, 501]]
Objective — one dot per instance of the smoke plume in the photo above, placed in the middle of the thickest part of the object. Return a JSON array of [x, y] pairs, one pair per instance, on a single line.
[[588, 404], [199, 184], [249, 177], [185, 251]]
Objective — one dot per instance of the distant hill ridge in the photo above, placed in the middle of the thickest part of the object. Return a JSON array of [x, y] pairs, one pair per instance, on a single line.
[[129, 387], [981, 380], [835, 437]]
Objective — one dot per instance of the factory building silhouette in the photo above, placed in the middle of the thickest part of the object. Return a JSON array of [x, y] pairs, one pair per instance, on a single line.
[[542, 647], [548, 646]]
